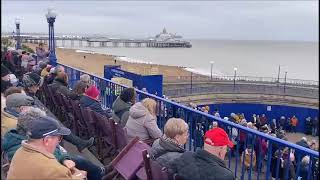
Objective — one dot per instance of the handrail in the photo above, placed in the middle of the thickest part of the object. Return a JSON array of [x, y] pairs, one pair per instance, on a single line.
[[280, 141]]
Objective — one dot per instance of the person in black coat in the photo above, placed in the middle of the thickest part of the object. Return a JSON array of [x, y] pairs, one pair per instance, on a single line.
[[206, 163], [5, 78], [60, 84], [90, 100]]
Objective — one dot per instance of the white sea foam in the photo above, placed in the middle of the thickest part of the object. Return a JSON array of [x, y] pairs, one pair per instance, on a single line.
[[203, 72], [88, 52]]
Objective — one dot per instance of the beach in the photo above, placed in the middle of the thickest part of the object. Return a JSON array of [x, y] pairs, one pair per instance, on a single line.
[[94, 63]]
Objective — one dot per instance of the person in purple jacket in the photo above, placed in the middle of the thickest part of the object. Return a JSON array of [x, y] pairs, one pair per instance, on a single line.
[[41, 53]]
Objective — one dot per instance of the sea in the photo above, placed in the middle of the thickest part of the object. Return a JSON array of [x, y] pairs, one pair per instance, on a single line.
[[251, 58]]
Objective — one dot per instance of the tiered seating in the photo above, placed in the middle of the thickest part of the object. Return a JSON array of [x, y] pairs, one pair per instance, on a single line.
[[110, 137]]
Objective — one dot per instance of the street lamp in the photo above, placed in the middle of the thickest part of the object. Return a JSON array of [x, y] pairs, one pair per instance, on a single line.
[[17, 22], [234, 78], [51, 17], [211, 62], [285, 81]]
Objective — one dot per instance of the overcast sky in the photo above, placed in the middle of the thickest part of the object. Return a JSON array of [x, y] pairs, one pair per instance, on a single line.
[[238, 20]]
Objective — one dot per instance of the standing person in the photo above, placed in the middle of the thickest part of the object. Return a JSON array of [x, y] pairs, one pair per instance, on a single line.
[[263, 120], [207, 163], [308, 126], [294, 123], [122, 105], [315, 126], [142, 121], [282, 122], [41, 53], [35, 159], [258, 123]]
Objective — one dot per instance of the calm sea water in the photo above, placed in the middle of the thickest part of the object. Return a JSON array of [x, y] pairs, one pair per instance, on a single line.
[[252, 58]]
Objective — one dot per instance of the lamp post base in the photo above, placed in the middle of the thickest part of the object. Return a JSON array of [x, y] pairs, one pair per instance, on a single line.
[[52, 59]]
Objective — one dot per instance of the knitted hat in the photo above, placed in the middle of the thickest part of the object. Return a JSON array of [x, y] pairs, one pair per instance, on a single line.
[[92, 92], [19, 99], [4, 71], [32, 79]]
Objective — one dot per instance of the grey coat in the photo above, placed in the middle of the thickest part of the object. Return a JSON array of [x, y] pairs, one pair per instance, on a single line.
[[164, 152], [121, 111], [142, 124]]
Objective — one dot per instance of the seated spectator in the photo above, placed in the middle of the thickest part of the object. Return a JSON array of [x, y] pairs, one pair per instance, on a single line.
[[32, 83], [142, 121], [207, 163], [247, 153], [80, 89], [35, 159], [86, 79], [58, 69], [15, 104], [169, 147], [5, 78], [45, 71], [12, 142], [122, 105], [60, 84], [42, 65], [90, 100]]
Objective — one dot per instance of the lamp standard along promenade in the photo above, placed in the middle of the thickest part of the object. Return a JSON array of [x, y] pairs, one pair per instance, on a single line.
[[51, 17], [18, 39], [211, 62], [234, 78]]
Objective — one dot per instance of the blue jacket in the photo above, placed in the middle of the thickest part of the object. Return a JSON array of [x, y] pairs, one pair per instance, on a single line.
[[94, 105]]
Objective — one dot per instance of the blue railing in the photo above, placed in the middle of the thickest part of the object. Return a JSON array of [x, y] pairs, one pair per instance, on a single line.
[[267, 163]]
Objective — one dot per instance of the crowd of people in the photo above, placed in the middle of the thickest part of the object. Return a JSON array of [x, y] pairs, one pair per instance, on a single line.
[[32, 134]]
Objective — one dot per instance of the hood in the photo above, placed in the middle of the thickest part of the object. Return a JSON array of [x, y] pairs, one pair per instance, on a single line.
[[120, 105], [138, 110]]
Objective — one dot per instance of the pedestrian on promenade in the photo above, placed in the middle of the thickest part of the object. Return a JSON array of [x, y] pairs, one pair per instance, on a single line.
[[315, 126], [294, 123]]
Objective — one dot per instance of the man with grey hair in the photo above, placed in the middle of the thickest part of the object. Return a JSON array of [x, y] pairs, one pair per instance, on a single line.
[[12, 142], [15, 104], [86, 79], [35, 159], [58, 69]]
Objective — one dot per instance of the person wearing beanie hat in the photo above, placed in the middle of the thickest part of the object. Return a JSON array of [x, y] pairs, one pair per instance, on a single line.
[[90, 100], [122, 105], [207, 162], [5, 78]]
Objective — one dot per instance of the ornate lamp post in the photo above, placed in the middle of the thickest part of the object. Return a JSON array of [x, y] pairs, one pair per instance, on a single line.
[[18, 39], [51, 17], [285, 81], [234, 78]]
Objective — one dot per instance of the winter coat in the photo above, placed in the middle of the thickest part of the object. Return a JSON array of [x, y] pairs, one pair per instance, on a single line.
[[164, 151], [142, 124], [12, 142], [5, 85], [121, 111], [59, 86], [304, 168], [41, 54], [201, 165], [8, 120], [94, 105], [29, 162]]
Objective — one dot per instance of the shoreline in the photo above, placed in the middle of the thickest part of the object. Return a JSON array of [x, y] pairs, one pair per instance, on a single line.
[[94, 62]]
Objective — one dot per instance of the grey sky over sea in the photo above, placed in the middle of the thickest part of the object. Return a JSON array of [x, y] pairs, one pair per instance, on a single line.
[[291, 29], [232, 20]]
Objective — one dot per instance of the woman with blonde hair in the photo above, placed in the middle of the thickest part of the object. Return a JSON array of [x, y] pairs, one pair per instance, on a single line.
[[142, 121]]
